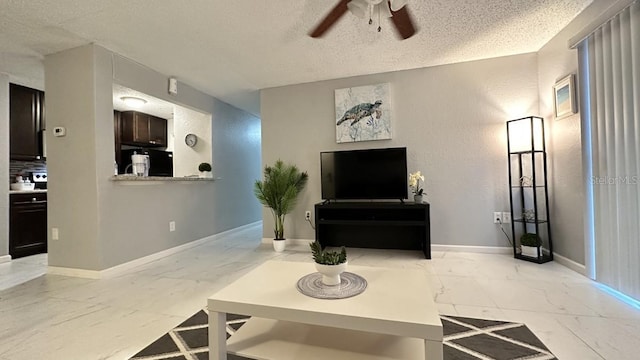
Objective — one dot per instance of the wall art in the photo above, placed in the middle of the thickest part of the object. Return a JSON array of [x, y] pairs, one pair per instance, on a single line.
[[564, 97], [363, 113]]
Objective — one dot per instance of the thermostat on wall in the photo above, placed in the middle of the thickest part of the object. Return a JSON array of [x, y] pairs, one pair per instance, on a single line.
[[59, 131]]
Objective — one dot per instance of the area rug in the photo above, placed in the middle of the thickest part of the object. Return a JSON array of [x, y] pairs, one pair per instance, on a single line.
[[464, 339]]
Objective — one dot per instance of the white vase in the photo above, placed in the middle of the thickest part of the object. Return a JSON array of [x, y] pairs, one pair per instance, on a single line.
[[279, 245], [530, 251], [417, 199], [206, 174], [331, 273]]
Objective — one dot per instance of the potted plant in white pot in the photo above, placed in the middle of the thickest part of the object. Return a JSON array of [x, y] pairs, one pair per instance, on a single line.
[[205, 170], [529, 244], [329, 263], [278, 191]]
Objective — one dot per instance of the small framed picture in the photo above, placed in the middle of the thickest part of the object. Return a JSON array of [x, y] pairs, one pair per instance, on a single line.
[[564, 99]]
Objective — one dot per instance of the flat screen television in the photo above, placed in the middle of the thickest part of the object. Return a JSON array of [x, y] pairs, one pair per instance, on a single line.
[[364, 174]]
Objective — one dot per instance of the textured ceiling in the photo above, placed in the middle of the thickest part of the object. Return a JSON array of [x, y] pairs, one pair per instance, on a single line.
[[231, 49]]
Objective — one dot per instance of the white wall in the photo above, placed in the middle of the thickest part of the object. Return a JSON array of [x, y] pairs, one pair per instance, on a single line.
[[4, 164], [103, 223], [187, 159], [567, 189], [452, 121]]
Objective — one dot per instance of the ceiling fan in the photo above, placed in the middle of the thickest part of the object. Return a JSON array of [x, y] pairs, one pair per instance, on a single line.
[[394, 9]]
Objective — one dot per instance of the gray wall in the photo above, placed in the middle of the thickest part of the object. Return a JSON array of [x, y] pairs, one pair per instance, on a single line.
[[567, 193], [452, 121], [4, 164], [103, 223], [72, 88]]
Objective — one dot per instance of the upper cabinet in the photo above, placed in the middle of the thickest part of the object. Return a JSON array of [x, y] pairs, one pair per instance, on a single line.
[[142, 129], [26, 109]]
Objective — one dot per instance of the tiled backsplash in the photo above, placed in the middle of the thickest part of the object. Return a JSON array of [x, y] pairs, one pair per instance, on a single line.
[[17, 167]]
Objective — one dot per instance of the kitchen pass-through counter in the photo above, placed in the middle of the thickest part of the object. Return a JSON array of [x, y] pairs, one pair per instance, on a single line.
[[35, 191], [126, 178]]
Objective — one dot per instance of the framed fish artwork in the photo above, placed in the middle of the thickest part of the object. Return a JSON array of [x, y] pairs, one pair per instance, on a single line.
[[363, 113]]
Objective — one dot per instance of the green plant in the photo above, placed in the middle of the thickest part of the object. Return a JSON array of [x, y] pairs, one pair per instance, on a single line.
[[530, 239], [204, 167], [327, 257], [279, 190]]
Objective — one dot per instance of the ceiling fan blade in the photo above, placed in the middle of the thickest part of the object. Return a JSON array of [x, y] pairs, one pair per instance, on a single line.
[[332, 17], [402, 20]]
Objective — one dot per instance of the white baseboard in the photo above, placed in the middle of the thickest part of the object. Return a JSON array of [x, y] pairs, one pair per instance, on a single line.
[[577, 267], [289, 241], [81, 273], [473, 249], [457, 248], [119, 269], [5, 258]]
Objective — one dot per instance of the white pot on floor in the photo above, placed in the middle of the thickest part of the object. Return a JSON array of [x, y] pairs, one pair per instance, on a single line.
[[279, 245]]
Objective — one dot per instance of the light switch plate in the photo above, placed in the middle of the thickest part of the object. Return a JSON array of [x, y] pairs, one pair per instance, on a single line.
[[59, 131], [173, 86]]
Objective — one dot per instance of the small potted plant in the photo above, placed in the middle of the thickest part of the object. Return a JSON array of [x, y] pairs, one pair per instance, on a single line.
[[329, 263], [205, 170], [529, 244], [278, 191], [414, 183]]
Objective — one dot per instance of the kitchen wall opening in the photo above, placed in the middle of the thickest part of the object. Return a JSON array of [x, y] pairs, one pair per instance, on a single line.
[[176, 139]]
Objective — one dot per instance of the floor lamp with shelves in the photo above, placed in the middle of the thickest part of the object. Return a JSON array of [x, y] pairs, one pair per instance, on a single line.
[[528, 190]]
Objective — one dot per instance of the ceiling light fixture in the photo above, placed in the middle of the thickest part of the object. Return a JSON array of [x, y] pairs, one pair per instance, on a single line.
[[134, 102], [360, 8]]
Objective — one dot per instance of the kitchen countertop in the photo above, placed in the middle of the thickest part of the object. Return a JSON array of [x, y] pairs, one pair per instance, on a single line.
[[158, 178], [27, 191]]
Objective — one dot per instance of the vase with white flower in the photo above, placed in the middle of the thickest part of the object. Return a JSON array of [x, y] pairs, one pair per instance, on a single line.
[[414, 183]]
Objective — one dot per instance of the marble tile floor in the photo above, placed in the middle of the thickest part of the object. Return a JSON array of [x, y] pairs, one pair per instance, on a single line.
[[55, 317]]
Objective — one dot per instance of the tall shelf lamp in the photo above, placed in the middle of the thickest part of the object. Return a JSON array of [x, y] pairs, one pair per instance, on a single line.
[[528, 192]]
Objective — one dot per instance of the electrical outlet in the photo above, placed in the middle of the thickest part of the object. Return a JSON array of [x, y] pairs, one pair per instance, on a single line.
[[55, 234], [497, 217], [172, 226], [307, 215], [506, 217]]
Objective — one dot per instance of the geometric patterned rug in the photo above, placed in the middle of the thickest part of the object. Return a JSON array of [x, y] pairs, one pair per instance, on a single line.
[[464, 339]]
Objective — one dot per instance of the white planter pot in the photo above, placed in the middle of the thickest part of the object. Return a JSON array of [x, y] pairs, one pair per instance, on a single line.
[[279, 245], [206, 174], [530, 251], [331, 273]]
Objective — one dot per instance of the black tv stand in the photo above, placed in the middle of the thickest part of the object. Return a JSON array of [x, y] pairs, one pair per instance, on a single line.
[[380, 225]]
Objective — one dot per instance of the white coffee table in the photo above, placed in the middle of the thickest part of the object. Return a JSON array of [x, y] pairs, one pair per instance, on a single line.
[[394, 318]]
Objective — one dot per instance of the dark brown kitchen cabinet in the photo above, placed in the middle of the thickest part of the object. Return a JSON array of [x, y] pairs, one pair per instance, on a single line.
[[27, 224], [117, 125], [157, 131], [140, 129], [26, 113]]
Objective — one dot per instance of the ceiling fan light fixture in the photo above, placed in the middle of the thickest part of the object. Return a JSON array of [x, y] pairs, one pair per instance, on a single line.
[[396, 10], [358, 8], [384, 10], [134, 102], [398, 4]]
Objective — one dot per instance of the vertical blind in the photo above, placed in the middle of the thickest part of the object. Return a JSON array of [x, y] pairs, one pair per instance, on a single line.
[[613, 102]]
